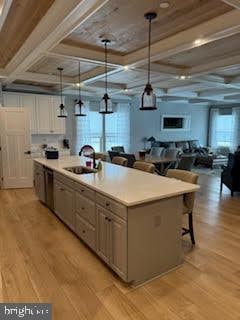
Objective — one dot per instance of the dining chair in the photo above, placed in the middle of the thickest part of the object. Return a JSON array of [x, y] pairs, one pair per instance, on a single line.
[[99, 155], [156, 151], [186, 162], [188, 198], [120, 161], [113, 154], [130, 158], [118, 148], [144, 166]]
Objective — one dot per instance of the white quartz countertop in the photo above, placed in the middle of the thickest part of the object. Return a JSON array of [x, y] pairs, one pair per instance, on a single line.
[[128, 186]]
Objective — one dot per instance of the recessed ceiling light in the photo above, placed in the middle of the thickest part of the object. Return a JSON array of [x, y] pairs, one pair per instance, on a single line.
[[183, 77], [164, 5], [199, 42], [126, 67]]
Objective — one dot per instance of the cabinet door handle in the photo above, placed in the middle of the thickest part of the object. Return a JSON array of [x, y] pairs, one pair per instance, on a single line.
[[61, 189], [107, 204], [83, 231], [109, 220], [83, 208], [82, 190]]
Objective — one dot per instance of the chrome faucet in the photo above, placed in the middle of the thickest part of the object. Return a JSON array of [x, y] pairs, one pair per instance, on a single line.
[[86, 146]]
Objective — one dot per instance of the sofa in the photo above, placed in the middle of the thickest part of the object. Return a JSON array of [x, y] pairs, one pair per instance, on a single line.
[[230, 176], [188, 146]]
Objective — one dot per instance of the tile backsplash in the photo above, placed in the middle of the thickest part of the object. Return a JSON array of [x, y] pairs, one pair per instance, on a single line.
[[51, 140]]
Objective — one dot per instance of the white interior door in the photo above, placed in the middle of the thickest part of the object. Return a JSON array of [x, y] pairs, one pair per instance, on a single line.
[[15, 148]]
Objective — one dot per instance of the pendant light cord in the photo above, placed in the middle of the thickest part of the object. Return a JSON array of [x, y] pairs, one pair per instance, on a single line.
[[79, 81], [61, 86], [149, 48], [106, 66]]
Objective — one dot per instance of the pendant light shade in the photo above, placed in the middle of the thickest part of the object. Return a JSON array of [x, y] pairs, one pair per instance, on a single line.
[[62, 109], [106, 106], [79, 106], [149, 101]]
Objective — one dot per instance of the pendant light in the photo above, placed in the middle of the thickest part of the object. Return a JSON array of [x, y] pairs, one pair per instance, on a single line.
[[79, 105], [106, 103], [148, 97], [62, 109]]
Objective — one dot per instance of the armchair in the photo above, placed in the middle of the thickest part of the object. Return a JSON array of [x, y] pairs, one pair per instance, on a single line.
[[230, 175]]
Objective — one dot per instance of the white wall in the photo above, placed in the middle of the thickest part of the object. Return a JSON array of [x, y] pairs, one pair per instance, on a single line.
[[148, 123]]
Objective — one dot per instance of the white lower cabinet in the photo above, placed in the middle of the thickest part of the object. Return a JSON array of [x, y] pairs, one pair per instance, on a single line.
[[101, 229], [112, 240], [64, 203]]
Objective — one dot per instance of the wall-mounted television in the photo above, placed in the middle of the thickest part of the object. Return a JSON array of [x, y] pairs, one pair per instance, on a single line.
[[175, 122]]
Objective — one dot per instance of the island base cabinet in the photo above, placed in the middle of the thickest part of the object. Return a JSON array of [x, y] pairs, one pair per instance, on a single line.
[[64, 203], [154, 239], [112, 241], [86, 232], [39, 183]]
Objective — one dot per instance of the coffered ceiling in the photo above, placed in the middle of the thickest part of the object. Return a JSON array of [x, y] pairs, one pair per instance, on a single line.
[[195, 47], [123, 21]]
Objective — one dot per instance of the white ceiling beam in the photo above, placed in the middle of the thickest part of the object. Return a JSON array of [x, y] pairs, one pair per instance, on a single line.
[[212, 30], [86, 55], [100, 75], [234, 3], [4, 12], [61, 19], [217, 92]]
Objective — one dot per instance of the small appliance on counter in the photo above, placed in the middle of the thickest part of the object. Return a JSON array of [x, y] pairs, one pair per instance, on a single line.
[[51, 153], [66, 144]]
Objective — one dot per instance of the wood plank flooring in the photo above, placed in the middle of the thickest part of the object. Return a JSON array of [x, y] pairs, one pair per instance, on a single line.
[[42, 261]]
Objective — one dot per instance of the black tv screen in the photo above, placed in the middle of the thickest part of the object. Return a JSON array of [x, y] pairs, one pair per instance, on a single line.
[[173, 123]]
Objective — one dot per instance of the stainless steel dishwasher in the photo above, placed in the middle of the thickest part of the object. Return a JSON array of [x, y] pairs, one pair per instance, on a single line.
[[48, 179]]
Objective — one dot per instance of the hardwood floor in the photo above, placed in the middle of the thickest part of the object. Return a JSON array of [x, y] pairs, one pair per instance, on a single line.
[[42, 261]]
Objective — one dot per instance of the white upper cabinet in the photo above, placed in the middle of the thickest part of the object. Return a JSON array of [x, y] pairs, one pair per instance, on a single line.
[[58, 124], [28, 101], [44, 114], [43, 111], [12, 100]]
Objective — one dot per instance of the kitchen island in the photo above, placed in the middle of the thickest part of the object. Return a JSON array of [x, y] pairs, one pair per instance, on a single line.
[[131, 219]]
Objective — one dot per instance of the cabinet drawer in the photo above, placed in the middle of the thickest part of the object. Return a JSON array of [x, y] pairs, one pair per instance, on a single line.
[[112, 205], [60, 177], [86, 208], [85, 191], [86, 232]]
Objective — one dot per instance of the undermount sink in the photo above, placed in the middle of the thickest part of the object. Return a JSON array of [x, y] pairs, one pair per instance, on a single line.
[[80, 170]]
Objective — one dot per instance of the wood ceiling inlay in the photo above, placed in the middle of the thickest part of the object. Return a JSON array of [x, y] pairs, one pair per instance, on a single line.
[[205, 54], [123, 20], [22, 18], [49, 65]]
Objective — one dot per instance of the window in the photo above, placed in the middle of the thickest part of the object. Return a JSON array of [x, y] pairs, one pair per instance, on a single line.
[[117, 127], [103, 132], [224, 130]]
